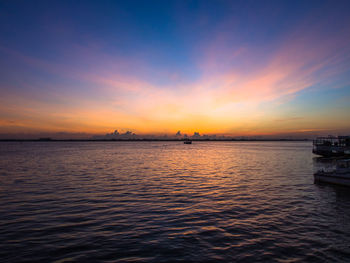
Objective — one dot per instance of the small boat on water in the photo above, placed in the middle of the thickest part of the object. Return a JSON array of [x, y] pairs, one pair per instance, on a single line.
[[332, 146], [340, 174], [187, 141]]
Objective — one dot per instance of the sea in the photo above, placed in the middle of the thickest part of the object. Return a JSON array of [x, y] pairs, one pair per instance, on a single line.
[[169, 202]]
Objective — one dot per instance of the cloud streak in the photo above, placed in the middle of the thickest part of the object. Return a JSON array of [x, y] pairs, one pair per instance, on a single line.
[[235, 86]]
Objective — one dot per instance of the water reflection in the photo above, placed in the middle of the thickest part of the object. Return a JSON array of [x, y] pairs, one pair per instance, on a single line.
[[156, 202]]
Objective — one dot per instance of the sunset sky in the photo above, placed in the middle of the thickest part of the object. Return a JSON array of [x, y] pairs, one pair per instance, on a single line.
[[154, 67]]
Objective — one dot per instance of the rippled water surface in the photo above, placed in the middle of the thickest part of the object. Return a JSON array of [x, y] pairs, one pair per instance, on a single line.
[[166, 201]]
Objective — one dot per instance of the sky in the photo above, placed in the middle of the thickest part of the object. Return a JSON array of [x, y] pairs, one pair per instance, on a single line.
[[239, 68]]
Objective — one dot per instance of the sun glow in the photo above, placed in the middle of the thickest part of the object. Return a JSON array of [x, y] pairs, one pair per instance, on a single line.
[[215, 82]]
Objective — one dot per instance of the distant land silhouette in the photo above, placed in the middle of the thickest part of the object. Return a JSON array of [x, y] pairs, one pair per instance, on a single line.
[[131, 136], [178, 136], [128, 135]]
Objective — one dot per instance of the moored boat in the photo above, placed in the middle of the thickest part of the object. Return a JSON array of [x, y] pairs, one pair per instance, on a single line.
[[340, 174], [332, 146]]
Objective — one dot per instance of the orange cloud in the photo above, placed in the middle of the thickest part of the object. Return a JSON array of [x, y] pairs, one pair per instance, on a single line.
[[225, 99]]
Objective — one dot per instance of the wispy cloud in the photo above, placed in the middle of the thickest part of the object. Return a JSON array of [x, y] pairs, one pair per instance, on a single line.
[[94, 90]]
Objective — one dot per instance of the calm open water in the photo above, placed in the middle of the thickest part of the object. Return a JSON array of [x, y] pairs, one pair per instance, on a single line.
[[166, 201]]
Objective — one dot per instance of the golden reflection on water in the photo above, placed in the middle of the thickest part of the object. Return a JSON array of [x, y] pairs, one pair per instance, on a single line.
[[207, 200]]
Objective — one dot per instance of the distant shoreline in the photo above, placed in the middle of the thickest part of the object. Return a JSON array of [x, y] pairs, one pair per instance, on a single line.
[[152, 140]]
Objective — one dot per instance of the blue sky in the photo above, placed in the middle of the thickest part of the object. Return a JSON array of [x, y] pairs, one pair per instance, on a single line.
[[225, 67]]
